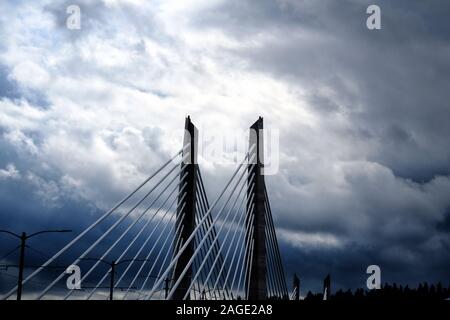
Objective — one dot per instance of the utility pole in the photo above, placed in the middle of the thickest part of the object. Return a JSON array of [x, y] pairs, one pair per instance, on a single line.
[[113, 264], [23, 238], [166, 288]]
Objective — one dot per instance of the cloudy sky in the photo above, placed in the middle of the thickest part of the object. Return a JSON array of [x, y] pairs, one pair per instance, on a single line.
[[363, 117]]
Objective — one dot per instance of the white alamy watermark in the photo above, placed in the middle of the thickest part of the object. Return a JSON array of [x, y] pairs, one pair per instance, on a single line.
[[73, 21], [229, 147], [73, 281], [374, 280], [373, 22]]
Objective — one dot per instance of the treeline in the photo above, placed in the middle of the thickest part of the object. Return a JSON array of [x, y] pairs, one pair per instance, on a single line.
[[388, 291]]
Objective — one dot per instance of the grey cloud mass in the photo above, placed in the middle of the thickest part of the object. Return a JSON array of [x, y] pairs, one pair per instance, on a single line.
[[363, 116]]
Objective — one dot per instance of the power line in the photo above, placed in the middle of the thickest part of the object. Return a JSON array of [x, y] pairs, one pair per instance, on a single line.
[[92, 226], [9, 253], [215, 249]]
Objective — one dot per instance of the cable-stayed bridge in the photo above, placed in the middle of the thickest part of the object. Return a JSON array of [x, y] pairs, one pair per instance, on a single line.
[[167, 240]]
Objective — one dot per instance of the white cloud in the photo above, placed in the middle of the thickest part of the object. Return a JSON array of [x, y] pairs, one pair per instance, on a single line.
[[47, 191], [306, 241], [31, 75], [10, 172]]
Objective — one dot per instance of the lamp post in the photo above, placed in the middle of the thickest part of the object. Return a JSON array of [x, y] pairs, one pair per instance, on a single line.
[[23, 238], [113, 264]]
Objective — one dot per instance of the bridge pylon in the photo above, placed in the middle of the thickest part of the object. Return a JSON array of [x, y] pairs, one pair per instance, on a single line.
[[257, 273], [186, 213]]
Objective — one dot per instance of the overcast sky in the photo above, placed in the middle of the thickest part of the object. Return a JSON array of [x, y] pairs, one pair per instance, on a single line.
[[363, 116]]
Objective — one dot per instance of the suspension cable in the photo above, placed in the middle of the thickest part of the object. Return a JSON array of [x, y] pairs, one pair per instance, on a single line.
[[234, 236], [243, 236], [274, 237], [153, 231], [233, 221], [140, 232], [245, 259], [93, 225], [203, 240], [125, 232], [204, 204], [250, 268], [149, 254], [196, 229]]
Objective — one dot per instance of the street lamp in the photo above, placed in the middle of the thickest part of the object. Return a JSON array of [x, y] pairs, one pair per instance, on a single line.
[[113, 265], [23, 238]]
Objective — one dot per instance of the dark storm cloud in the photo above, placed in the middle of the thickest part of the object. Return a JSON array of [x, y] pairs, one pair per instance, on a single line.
[[34, 203], [348, 267], [35, 198], [400, 72], [391, 85], [444, 226]]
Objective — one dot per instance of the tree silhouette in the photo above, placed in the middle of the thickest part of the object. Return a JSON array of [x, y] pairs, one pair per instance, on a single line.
[[424, 291]]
